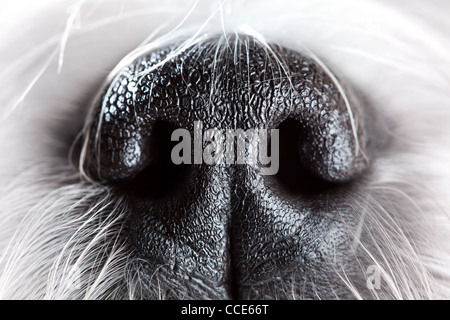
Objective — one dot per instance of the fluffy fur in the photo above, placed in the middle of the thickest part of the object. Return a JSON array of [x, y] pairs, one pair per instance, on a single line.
[[60, 233]]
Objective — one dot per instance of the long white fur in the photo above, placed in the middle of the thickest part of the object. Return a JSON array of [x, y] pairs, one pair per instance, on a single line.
[[54, 56]]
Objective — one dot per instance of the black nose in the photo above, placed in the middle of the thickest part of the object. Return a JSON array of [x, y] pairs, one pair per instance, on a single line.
[[227, 230]]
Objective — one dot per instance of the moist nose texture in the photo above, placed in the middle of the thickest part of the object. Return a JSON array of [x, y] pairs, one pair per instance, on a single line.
[[226, 230]]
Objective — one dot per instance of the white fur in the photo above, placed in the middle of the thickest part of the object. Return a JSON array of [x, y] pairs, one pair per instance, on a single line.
[[55, 55]]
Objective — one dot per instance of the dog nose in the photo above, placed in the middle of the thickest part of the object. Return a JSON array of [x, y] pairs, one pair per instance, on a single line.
[[223, 223]]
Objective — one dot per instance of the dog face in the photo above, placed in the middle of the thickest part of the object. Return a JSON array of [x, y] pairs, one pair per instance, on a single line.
[[353, 101]]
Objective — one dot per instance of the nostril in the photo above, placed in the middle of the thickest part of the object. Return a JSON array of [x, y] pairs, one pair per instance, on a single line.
[[155, 181], [317, 156], [140, 166], [160, 177], [293, 174]]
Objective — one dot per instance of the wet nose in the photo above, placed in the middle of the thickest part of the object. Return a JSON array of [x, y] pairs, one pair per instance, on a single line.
[[226, 223]]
